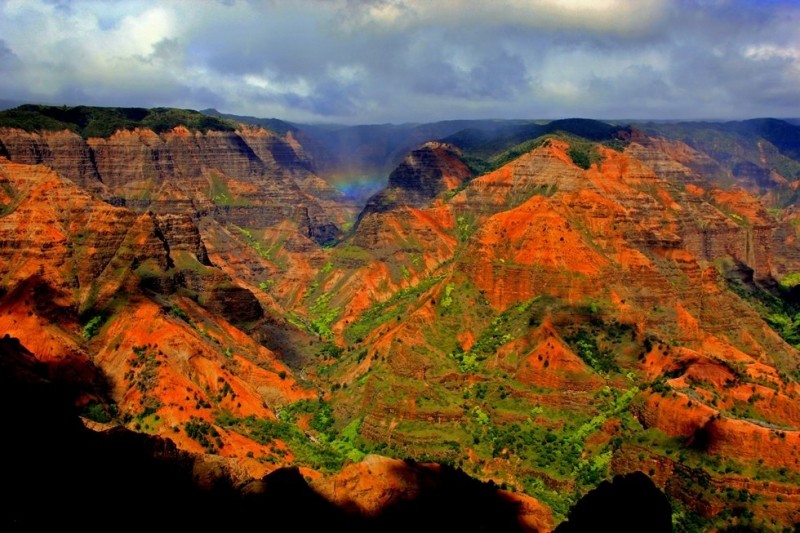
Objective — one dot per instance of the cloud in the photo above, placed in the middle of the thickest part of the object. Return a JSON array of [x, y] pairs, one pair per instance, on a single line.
[[621, 17], [7, 57], [409, 60]]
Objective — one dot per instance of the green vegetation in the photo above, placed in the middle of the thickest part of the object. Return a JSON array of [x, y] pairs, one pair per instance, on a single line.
[[144, 368], [321, 448], [104, 121], [256, 244], [383, 312], [515, 152], [499, 416], [476, 165], [322, 316], [581, 135], [507, 326], [585, 346], [778, 308], [178, 312], [618, 145], [789, 281], [583, 153], [187, 262], [554, 453], [92, 327], [204, 433], [322, 414], [100, 412], [484, 162], [350, 256], [465, 226], [221, 195], [330, 351], [447, 301], [150, 272]]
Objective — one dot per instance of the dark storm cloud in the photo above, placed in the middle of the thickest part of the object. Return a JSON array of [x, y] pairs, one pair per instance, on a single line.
[[401, 60], [494, 77]]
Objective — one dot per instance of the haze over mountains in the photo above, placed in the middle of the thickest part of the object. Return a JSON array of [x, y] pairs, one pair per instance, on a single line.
[[522, 310]]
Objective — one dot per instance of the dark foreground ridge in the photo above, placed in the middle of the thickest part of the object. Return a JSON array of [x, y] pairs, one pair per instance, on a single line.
[[59, 473], [628, 503]]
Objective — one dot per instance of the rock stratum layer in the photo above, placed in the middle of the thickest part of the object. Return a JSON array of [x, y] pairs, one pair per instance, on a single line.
[[584, 310]]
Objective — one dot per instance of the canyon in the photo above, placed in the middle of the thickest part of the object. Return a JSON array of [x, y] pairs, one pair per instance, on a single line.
[[520, 314]]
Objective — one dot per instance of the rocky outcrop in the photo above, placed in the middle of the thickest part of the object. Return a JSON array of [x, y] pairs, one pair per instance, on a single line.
[[503, 262], [544, 170], [673, 161], [425, 173], [63, 151], [220, 296], [244, 178], [181, 233]]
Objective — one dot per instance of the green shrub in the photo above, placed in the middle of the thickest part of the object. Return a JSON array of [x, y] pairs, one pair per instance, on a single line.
[[92, 328]]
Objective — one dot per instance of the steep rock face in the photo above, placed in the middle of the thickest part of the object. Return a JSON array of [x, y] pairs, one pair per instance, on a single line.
[[226, 152], [544, 170], [509, 269], [674, 161], [76, 243], [65, 255], [278, 153], [576, 227], [52, 222], [63, 151], [745, 231], [399, 227], [785, 238], [181, 233], [424, 174], [752, 442], [757, 225], [551, 364], [529, 328], [220, 296], [234, 176], [131, 162]]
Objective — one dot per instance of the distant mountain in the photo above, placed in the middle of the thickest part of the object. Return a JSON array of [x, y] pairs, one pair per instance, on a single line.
[[273, 124], [782, 134], [762, 155]]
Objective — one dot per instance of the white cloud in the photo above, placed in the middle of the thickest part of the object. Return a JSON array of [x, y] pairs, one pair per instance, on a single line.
[[764, 52], [618, 16], [378, 60]]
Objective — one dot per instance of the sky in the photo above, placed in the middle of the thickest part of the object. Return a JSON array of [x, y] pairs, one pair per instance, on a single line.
[[378, 61]]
